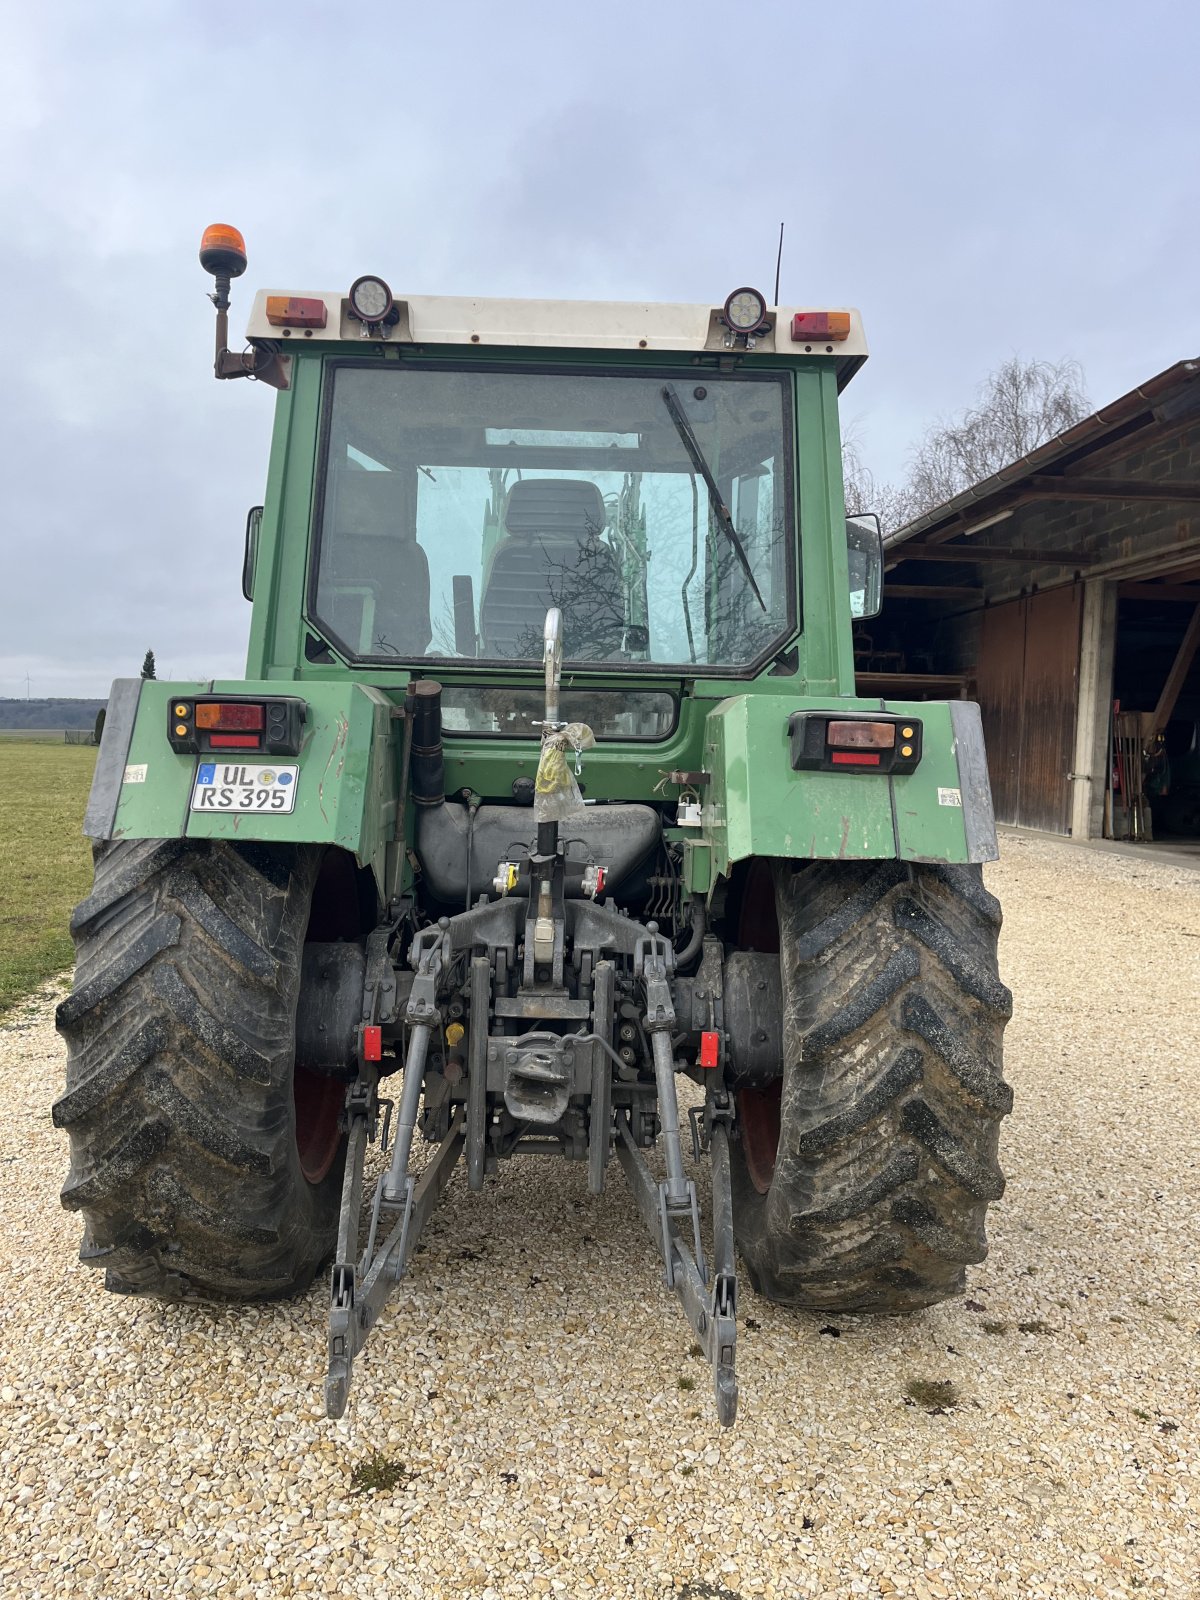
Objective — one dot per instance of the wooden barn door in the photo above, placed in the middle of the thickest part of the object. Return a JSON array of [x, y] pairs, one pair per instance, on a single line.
[[1028, 692], [1001, 693]]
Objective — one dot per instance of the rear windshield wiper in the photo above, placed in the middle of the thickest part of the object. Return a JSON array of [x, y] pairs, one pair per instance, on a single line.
[[720, 510]]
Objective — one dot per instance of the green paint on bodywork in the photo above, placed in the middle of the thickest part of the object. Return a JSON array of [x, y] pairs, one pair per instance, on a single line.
[[827, 649], [758, 806], [346, 788], [697, 866]]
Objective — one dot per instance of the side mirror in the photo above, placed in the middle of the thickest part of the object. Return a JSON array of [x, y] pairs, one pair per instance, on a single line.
[[864, 555], [250, 559]]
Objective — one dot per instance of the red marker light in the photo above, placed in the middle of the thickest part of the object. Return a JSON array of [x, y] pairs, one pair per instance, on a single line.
[[372, 1044], [710, 1050], [855, 758], [234, 741]]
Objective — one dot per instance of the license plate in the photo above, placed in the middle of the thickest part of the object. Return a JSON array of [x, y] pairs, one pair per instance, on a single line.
[[229, 786]]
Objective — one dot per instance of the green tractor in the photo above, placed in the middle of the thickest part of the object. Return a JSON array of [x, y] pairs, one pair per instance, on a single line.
[[547, 786]]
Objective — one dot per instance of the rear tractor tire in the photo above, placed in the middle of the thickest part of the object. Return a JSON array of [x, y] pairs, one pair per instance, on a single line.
[[862, 1178], [205, 1165]]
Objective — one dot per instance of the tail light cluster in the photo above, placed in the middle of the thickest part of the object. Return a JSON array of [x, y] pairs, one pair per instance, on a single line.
[[296, 311], [874, 741], [215, 722], [820, 325]]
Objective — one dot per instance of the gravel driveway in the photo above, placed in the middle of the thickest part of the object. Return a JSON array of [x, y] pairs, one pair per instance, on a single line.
[[532, 1382]]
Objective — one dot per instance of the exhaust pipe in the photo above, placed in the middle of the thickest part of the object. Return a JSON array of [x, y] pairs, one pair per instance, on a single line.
[[428, 765]]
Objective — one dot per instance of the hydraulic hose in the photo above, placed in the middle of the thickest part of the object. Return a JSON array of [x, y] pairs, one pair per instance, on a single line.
[[699, 923]]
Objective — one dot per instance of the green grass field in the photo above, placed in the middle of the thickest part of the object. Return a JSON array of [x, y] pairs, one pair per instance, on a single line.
[[45, 862]]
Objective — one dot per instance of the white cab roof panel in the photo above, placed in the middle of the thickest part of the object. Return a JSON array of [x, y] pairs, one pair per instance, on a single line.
[[559, 324]]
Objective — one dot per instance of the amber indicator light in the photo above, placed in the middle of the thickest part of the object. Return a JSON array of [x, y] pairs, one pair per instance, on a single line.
[[223, 251], [220, 236]]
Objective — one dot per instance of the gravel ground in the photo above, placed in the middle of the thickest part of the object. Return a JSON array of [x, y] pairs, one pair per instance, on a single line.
[[533, 1382]]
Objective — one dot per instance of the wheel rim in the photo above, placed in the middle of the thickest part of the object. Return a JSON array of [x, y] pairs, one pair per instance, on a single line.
[[319, 1101], [759, 1109], [758, 1121]]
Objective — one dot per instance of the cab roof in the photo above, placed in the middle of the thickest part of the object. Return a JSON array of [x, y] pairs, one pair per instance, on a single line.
[[555, 324]]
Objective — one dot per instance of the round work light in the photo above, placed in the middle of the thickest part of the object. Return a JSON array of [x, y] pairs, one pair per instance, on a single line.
[[370, 299], [745, 311]]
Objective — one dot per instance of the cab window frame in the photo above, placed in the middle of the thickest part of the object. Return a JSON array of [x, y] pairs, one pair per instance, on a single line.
[[782, 378]]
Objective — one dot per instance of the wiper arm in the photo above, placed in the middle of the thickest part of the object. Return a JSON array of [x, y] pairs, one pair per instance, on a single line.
[[720, 510]]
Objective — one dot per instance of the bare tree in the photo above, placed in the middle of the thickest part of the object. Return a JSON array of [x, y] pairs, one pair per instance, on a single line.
[[891, 502], [1021, 405], [858, 480]]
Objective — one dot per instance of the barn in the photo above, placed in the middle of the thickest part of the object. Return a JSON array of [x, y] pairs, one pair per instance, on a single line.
[[1064, 595]]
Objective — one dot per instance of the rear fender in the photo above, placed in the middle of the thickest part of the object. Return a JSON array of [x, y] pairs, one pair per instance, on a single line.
[[757, 805], [346, 787]]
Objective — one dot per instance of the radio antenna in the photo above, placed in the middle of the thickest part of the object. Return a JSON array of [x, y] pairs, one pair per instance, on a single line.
[[778, 263]]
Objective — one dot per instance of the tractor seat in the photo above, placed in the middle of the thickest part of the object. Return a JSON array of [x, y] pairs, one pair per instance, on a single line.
[[374, 577], [553, 556]]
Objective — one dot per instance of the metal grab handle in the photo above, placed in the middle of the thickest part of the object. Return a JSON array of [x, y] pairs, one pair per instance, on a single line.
[[552, 657]]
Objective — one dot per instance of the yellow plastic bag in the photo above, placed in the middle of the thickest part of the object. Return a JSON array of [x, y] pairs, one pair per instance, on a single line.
[[556, 795]]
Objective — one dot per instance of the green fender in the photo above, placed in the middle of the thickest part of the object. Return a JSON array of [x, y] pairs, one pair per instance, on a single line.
[[756, 805], [346, 790]]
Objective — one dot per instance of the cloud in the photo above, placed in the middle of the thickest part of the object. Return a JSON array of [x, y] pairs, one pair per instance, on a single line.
[[958, 172]]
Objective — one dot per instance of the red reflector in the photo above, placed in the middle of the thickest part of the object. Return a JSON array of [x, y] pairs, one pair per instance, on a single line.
[[234, 741], [372, 1044], [878, 735], [855, 758], [710, 1044], [832, 325], [228, 715], [294, 311]]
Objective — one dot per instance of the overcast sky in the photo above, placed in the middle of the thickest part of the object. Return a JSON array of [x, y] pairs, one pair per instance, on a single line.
[[978, 178]]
